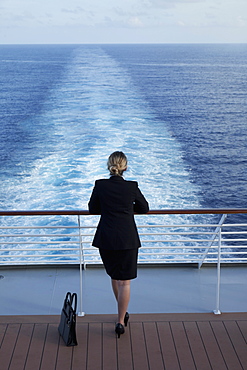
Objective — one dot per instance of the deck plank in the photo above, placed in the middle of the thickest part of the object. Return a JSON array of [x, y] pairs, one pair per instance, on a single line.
[[139, 352], [182, 346], [124, 351], [52, 340], [214, 354], [238, 341], [153, 346], [197, 347], [22, 347], [109, 347], [3, 328], [94, 360], [168, 346], [225, 346], [79, 360], [243, 328], [150, 342], [36, 347], [8, 345], [64, 356]]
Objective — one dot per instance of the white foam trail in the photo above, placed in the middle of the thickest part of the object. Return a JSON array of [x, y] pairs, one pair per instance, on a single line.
[[95, 110]]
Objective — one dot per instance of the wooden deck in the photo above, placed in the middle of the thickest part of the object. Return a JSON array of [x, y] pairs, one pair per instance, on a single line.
[[151, 342]]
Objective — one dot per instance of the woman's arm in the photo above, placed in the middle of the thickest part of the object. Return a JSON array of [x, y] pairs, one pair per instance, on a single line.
[[94, 202], [140, 204]]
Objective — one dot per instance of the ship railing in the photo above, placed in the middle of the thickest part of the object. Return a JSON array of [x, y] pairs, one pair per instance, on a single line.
[[59, 237], [182, 236]]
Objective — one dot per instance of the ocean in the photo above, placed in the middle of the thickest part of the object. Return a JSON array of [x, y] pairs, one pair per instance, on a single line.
[[178, 111]]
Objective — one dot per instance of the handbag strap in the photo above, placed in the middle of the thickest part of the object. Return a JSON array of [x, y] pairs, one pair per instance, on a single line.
[[73, 300], [68, 297]]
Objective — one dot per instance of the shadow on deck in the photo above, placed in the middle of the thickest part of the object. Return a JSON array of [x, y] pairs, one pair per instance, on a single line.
[[151, 341]]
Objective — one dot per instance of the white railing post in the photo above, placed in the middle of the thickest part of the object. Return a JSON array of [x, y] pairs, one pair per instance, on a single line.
[[217, 309], [80, 313]]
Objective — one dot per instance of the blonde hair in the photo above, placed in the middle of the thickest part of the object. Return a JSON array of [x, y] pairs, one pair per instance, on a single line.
[[117, 163]]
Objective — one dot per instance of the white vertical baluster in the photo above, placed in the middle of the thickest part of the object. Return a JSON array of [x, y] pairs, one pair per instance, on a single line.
[[80, 313], [217, 310]]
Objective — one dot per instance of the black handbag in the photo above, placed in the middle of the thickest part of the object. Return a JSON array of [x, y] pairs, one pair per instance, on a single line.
[[67, 326]]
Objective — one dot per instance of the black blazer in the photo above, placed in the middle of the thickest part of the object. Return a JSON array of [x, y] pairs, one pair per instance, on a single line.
[[116, 200]]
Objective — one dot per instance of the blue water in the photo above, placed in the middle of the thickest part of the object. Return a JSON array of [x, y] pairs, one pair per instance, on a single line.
[[177, 111]]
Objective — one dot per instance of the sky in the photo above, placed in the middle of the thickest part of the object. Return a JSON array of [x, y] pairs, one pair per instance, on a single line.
[[122, 21]]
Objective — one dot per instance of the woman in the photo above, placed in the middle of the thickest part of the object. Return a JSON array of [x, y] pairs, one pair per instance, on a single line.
[[116, 200]]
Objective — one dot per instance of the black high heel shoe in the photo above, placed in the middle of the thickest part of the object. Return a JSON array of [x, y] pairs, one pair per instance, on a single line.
[[119, 329], [126, 318]]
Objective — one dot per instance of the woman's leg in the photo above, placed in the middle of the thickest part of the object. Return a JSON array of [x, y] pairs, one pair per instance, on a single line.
[[121, 289], [123, 299], [114, 284]]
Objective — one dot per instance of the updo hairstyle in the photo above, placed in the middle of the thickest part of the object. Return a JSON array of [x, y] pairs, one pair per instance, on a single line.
[[117, 163]]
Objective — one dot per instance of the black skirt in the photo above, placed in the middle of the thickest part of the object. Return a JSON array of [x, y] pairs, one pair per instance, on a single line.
[[120, 264]]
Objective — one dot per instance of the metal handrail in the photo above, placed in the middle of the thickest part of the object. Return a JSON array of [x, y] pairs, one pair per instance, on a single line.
[[151, 212]]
